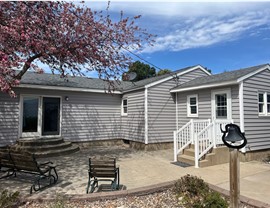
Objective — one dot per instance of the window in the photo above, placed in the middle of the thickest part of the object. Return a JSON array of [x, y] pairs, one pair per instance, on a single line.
[[261, 103], [124, 107], [192, 106], [264, 103], [221, 105]]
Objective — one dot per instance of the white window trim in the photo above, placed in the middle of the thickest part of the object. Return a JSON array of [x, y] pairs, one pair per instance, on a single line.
[[122, 107], [229, 103], [264, 113], [189, 114]]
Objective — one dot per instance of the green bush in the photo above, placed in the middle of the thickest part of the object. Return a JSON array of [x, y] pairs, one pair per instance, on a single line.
[[193, 192], [215, 200], [9, 200]]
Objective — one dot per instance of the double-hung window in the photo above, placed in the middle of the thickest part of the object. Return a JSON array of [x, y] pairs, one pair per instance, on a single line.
[[124, 110], [264, 103], [192, 106]]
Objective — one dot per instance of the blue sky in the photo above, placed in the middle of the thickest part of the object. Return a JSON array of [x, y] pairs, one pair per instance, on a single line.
[[221, 36]]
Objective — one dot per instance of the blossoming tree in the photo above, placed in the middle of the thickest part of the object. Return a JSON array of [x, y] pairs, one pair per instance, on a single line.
[[70, 39]]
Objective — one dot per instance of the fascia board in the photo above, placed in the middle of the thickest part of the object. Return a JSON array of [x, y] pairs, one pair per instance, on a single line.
[[45, 87], [204, 86], [178, 74], [253, 73]]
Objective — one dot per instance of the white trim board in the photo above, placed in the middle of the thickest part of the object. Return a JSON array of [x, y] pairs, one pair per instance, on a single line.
[[178, 74], [220, 84], [253, 73], [74, 89], [204, 86]]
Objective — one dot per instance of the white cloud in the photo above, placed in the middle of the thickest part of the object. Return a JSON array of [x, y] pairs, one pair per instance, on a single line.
[[208, 30]]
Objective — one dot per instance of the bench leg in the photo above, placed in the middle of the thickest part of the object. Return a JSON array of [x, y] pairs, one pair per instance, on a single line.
[[9, 172]]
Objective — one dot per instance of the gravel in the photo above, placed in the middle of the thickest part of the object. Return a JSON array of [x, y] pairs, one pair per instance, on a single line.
[[165, 199]]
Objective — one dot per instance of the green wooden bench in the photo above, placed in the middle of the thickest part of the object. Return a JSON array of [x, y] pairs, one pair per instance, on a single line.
[[25, 162], [102, 169]]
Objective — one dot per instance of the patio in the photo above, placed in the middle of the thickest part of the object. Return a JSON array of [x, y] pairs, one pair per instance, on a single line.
[[139, 169]]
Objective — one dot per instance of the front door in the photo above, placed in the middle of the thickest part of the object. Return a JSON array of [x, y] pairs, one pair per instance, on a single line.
[[40, 116], [221, 112]]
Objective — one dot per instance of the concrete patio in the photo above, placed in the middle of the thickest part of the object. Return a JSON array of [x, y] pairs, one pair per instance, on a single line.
[[139, 169]]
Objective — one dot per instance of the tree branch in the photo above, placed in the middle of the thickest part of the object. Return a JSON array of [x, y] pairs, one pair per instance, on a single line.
[[27, 65]]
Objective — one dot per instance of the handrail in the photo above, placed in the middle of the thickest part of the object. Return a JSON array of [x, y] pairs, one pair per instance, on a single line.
[[185, 135], [203, 143], [182, 138], [188, 123]]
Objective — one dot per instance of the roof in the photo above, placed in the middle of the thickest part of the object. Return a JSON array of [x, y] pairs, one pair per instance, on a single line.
[[218, 79], [49, 80]]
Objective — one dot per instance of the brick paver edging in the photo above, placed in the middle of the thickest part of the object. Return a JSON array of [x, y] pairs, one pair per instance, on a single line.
[[140, 192]]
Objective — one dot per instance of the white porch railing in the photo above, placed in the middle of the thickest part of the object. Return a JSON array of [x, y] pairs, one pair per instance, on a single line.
[[186, 134], [204, 134], [203, 143]]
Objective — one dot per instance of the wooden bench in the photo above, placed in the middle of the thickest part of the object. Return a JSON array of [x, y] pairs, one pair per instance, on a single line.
[[25, 162], [6, 164], [102, 169]]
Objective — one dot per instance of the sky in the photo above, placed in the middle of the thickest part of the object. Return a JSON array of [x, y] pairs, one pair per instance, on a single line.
[[221, 36]]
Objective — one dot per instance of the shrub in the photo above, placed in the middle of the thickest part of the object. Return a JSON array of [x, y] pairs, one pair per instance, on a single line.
[[8, 199], [215, 200], [193, 192]]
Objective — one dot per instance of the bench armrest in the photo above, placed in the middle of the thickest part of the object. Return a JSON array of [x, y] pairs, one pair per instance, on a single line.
[[45, 164]]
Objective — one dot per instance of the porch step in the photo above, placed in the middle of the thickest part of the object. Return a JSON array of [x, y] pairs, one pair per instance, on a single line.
[[59, 152], [46, 147], [217, 156], [189, 152], [40, 141], [191, 160]]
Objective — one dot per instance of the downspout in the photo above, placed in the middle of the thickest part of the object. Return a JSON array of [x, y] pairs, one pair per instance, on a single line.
[[146, 115], [241, 110], [176, 110]]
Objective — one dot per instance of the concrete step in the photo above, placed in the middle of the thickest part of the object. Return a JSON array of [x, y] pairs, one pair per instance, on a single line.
[[189, 152], [40, 141], [59, 152], [186, 159], [42, 148]]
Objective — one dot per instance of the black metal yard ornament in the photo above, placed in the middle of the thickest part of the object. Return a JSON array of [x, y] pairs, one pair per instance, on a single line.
[[235, 140]]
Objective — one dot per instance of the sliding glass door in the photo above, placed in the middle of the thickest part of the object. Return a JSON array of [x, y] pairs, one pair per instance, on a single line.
[[40, 116], [51, 116]]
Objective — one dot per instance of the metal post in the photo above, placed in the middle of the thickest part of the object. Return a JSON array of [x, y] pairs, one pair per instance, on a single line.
[[234, 179]]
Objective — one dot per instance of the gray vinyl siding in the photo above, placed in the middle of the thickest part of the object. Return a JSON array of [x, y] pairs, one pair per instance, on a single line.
[[204, 104], [133, 124], [91, 117], [9, 119], [85, 116], [257, 128], [162, 108]]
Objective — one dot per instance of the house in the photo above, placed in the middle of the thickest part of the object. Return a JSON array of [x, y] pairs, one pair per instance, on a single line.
[[185, 107], [240, 96], [80, 110]]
